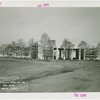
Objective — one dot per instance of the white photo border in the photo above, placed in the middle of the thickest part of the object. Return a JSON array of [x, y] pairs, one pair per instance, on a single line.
[[50, 96]]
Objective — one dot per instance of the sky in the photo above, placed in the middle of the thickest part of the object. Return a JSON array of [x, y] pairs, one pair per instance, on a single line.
[[75, 24]]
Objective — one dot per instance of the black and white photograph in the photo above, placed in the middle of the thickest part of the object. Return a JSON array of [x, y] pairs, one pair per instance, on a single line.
[[44, 50]]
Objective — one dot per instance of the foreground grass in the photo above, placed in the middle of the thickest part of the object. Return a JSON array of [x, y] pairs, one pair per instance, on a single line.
[[54, 76]]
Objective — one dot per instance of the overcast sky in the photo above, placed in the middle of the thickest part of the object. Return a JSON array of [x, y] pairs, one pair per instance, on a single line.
[[76, 24]]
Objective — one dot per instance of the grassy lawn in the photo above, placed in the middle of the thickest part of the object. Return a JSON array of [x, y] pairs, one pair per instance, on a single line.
[[54, 76]]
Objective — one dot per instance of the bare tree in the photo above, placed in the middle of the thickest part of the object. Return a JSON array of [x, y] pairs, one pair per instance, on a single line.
[[30, 43], [8, 49], [14, 47], [21, 46], [44, 42], [67, 45], [83, 45], [3, 49]]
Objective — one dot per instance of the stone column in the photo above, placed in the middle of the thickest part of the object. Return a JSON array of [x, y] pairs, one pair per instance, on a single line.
[[68, 54], [84, 54], [54, 53], [79, 54], [59, 53], [71, 54], [63, 54]]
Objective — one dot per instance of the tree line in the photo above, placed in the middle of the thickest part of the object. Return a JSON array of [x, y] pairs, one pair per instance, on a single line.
[[21, 47]]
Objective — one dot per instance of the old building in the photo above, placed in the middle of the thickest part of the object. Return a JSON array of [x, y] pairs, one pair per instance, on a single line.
[[78, 54]]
